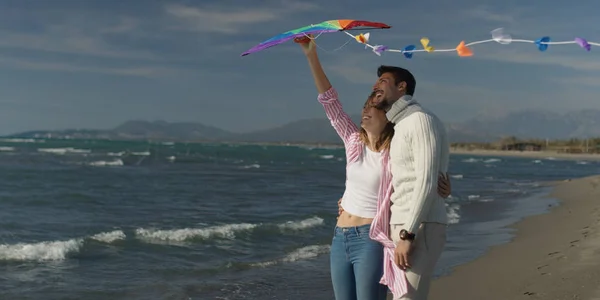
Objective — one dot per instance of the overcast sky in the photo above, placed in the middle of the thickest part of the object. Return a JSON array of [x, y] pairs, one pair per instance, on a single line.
[[95, 64]]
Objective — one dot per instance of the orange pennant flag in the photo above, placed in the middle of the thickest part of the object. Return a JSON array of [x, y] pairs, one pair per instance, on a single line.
[[463, 50]]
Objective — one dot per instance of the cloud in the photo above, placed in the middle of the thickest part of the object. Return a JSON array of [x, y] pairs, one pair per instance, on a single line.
[[143, 71], [587, 81], [583, 62], [486, 13], [231, 19], [74, 36]]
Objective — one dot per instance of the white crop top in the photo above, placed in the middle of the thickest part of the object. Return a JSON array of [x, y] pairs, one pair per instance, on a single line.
[[363, 178]]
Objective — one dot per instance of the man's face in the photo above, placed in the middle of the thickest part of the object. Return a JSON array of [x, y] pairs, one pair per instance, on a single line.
[[386, 92]]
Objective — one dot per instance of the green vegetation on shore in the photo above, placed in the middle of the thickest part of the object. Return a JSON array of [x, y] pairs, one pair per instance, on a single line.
[[591, 145]]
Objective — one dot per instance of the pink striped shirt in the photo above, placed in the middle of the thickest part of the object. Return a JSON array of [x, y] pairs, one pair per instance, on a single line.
[[393, 276]]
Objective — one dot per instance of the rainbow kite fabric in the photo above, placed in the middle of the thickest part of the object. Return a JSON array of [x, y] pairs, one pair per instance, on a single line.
[[463, 50], [323, 27]]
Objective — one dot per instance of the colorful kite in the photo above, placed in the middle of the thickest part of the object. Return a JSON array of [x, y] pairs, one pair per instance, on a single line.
[[462, 49], [318, 29]]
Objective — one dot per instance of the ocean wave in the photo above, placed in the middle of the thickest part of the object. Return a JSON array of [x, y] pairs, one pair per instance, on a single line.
[[471, 160], [303, 253], [486, 161], [492, 160], [252, 166], [109, 237], [226, 231], [299, 225], [452, 212], [62, 151], [22, 141], [53, 250], [144, 153], [102, 163], [7, 149], [179, 235]]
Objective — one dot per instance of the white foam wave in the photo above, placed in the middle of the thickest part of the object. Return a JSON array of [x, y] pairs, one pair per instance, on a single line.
[[227, 231], [21, 140], [537, 161], [299, 225], [253, 166], [326, 156], [303, 253], [144, 153], [581, 162], [62, 151], [115, 153], [452, 211], [486, 199], [473, 197], [306, 253], [42, 251], [471, 160], [7, 149], [457, 176], [53, 250], [109, 237], [102, 163], [491, 160]]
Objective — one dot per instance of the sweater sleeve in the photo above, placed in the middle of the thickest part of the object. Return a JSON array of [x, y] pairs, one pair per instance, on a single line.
[[426, 144], [340, 120]]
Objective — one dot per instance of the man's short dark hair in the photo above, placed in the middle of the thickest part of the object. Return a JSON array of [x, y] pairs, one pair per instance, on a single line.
[[400, 74]]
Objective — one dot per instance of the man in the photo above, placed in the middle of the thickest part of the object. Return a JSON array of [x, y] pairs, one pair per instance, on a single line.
[[419, 151]]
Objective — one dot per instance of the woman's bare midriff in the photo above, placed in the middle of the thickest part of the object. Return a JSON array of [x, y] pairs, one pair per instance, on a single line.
[[348, 220]]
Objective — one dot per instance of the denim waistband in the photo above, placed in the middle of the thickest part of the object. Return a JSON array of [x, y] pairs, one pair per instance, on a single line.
[[357, 230]]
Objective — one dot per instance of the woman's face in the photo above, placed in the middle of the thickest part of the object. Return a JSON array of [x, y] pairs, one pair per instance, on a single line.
[[373, 120]]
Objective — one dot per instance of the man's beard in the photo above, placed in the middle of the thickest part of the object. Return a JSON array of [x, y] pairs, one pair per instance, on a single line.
[[384, 104]]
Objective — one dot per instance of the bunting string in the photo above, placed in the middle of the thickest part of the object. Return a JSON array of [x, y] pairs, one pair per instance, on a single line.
[[462, 49]]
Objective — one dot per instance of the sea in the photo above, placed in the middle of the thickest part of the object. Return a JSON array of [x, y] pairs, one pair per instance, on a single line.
[[92, 219]]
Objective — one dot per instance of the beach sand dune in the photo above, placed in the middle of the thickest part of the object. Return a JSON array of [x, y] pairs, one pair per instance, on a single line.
[[553, 256]]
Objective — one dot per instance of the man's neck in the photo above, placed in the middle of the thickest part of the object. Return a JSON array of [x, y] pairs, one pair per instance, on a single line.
[[391, 103]]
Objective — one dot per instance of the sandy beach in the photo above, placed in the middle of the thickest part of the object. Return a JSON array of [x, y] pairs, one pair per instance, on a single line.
[[532, 154], [555, 255]]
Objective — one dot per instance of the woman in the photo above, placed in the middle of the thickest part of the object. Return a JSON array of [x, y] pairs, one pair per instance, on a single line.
[[357, 260]]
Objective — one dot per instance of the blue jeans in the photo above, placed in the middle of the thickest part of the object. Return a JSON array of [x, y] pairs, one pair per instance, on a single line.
[[356, 265]]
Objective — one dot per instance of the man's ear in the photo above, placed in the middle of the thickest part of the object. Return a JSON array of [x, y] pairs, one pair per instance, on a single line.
[[401, 86]]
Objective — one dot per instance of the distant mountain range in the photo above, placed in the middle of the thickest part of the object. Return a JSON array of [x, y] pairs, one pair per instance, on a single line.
[[524, 124]]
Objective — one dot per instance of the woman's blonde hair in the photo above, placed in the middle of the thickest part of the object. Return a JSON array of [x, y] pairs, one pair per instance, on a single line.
[[385, 138]]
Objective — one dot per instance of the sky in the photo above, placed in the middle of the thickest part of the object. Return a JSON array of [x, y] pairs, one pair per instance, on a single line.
[[98, 63]]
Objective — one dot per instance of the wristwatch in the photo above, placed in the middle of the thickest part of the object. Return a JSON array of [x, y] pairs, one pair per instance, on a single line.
[[406, 236]]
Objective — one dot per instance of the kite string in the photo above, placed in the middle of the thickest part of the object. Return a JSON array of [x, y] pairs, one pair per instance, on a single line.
[[481, 42], [319, 34]]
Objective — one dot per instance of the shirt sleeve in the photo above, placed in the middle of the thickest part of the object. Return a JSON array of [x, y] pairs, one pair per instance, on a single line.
[[340, 120]]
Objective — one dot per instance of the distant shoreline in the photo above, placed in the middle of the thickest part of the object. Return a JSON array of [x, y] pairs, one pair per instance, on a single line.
[[530, 154]]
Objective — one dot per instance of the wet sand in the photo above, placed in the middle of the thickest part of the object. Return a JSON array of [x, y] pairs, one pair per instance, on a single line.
[[553, 256]]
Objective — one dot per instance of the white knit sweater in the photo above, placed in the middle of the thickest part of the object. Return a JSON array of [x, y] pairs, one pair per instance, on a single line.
[[419, 151]]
